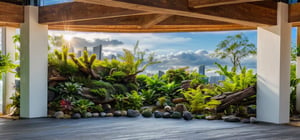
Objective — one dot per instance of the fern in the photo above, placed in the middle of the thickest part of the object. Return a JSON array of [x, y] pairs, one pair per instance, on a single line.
[[197, 100]]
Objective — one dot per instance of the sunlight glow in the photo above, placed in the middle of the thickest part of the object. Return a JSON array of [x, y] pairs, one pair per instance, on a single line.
[[68, 38]]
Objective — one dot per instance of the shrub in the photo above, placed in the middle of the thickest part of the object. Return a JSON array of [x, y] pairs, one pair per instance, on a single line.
[[149, 96], [135, 101], [197, 100], [120, 89], [101, 92], [69, 89], [82, 105], [101, 84]]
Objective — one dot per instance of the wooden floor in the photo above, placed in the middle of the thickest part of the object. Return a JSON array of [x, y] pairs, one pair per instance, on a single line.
[[141, 129]]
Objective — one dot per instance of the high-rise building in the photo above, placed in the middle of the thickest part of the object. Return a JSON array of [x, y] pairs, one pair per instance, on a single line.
[[216, 79], [113, 57], [201, 69], [160, 73], [79, 53], [98, 51]]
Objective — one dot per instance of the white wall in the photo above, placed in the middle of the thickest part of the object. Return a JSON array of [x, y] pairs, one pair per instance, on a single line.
[[273, 70], [34, 65]]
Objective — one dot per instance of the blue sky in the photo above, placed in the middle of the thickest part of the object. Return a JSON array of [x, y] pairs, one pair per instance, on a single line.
[[173, 49]]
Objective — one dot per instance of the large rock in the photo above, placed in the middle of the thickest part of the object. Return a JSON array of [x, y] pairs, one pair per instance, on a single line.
[[210, 117], [102, 114], [59, 115], [180, 108], [245, 120], [176, 115], [232, 119], [76, 116], [87, 115], [187, 115], [133, 113], [109, 115], [95, 114], [147, 114], [158, 114], [117, 113], [167, 115], [124, 113], [253, 120], [168, 108]]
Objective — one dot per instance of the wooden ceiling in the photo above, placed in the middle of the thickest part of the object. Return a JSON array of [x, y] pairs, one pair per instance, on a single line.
[[153, 15]]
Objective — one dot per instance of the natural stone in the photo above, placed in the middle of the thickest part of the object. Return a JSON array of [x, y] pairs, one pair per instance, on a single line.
[[102, 114], [166, 115], [133, 113], [176, 115], [95, 114], [117, 113], [109, 115], [187, 115], [124, 113], [210, 117], [59, 115], [76, 116], [147, 114], [87, 115], [180, 108], [245, 120], [167, 108], [158, 114], [253, 120], [232, 119], [225, 117]]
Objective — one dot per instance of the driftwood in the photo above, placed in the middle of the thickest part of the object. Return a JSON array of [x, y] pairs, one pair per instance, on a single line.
[[179, 100], [239, 97], [58, 78]]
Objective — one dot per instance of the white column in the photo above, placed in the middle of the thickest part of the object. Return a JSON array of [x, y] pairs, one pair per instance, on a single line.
[[34, 65], [273, 69], [298, 72], [8, 47]]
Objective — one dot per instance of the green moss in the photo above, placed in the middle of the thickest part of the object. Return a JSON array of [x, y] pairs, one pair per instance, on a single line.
[[120, 89]]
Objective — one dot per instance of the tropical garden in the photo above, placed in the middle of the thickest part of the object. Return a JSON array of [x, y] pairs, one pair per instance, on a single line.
[[83, 86]]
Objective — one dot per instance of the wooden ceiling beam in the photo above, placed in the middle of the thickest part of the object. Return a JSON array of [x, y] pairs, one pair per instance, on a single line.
[[154, 29], [210, 3], [68, 12], [140, 20], [294, 13], [244, 12], [11, 13], [154, 20], [177, 7]]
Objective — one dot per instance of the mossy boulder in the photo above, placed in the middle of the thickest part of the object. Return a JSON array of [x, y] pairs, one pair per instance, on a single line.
[[176, 115], [147, 114], [158, 114]]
